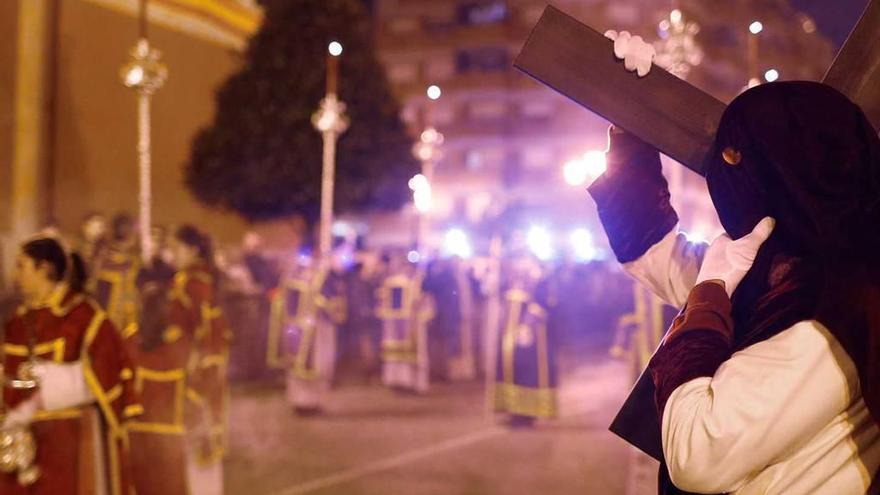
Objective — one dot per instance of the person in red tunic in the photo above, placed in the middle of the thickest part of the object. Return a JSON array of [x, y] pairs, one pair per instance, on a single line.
[[182, 351], [69, 383]]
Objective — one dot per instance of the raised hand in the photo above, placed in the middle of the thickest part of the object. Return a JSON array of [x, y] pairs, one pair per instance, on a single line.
[[637, 55]]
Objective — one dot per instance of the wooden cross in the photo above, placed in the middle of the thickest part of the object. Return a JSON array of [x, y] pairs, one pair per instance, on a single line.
[[675, 117]]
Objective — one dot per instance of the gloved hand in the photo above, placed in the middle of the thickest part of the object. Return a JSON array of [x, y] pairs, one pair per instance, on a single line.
[[23, 413], [728, 261], [637, 55]]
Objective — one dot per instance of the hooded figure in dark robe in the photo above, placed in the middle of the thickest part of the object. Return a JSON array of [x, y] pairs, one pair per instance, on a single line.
[[803, 154]]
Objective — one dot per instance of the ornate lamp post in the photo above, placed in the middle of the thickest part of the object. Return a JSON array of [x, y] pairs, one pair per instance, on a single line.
[[677, 50], [145, 73], [330, 120], [426, 150], [755, 29]]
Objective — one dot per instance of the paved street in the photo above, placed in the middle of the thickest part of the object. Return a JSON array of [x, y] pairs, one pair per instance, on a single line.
[[373, 441]]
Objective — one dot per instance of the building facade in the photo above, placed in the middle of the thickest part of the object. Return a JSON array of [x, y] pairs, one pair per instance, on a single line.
[[508, 137]]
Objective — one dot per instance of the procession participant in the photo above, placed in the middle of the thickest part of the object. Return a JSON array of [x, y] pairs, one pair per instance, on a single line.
[[405, 311], [92, 239], [302, 335], [69, 384], [114, 282], [525, 376], [182, 353], [767, 382]]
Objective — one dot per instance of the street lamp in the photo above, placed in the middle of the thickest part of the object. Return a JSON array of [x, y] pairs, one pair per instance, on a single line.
[[145, 74], [755, 28], [421, 189], [427, 150], [331, 121], [677, 50]]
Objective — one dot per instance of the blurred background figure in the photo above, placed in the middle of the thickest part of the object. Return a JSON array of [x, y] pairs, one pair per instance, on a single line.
[[451, 334], [92, 239], [405, 311], [306, 309], [525, 376], [182, 351], [114, 281], [362, 330]]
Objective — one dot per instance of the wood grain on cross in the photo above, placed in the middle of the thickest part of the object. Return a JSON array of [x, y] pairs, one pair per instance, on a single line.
[[675, 117]]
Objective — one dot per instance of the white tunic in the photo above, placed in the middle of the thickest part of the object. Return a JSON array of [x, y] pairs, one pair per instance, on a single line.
[[783, 416]]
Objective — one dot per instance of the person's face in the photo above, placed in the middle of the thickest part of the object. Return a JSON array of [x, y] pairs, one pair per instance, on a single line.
[[184, 254], [29, 276], [94, 229]]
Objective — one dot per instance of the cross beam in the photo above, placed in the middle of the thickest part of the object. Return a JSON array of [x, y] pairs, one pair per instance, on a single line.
[[675, 117]]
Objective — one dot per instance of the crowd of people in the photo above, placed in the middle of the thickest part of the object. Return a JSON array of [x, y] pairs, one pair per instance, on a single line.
[[131, 358], [115, 368]]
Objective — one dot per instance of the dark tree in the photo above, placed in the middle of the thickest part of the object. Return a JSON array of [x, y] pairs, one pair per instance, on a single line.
[[262, 158]]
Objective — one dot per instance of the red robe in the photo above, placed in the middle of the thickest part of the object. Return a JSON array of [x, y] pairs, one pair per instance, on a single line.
[[182, 381], [114, 287], [70, 328]]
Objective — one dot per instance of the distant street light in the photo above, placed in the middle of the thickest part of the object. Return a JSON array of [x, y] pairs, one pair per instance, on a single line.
[[434, 92], [456, 243], [540, 242], [421, 189], [335, 48], [771, 75], [756, 27]]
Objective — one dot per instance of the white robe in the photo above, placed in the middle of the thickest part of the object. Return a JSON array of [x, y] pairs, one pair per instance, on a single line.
[[782, 416]]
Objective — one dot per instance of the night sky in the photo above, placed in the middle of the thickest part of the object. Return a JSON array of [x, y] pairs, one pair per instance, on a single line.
[[835, 18]]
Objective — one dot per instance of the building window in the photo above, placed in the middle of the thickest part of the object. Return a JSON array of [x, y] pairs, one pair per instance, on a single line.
[[402, 72], [439, 69], [487, 59], [477, 159], [485, 12], [537, 109], [487, 109], [403, 25]]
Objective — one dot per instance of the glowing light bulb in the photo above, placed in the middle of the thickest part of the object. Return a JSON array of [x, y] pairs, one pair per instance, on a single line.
[[456, 243], [540, 242], [434, 92], [771, 75], [595, 164], [575, 172], [335, 48], [756, 27]]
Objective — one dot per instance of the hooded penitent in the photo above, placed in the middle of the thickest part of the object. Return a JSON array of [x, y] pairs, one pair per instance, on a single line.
[[804, 154]]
